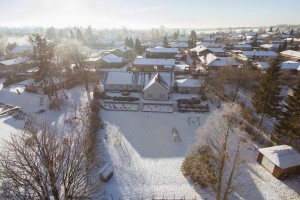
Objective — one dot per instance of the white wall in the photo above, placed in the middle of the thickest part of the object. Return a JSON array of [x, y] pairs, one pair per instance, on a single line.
[[156, 92]]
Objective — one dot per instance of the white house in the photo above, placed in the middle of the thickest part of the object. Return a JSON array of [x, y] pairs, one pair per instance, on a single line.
[[157, 89]]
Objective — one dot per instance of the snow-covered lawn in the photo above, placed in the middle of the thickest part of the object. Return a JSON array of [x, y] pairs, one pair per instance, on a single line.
[[147, 160]]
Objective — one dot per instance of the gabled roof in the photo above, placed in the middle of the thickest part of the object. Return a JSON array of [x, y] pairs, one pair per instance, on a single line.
[[123, 49], [119, 78], [158, 79], [163, 50], [111, 58], [214, 61], [199, 48], [190, 83], [152, 62], [282, 156]]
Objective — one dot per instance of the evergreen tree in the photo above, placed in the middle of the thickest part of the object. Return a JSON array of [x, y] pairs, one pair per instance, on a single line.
[[279, 48], [284, 46], [289, 123], [292, 42], [176, 35], [79, 35], [271, 29], [193, 36], [254, 42], [131, 43], [166, 43], [292, 32], [138, 46], [266, 98], [127, 42]]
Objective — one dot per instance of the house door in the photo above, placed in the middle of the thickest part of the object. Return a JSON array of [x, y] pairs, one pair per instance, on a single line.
[[267, 164]]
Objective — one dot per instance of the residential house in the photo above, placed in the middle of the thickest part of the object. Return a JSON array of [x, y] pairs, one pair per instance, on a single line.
[[270, 47], [161, 52], [112, 61], [151, 64], [214, 63], [123, 51], [258, 55], [242, 47], [290, 54], [157, 89]]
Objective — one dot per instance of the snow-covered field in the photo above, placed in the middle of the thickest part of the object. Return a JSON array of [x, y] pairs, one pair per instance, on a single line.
[[142, 149]]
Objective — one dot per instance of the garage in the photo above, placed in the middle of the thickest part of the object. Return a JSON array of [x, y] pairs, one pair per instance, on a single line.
[[280, 160]]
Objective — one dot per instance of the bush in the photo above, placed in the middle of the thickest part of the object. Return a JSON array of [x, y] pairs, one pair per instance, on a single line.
[[198, 168]]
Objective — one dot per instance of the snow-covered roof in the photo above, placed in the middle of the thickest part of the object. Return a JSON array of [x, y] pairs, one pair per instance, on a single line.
[[184, 39], [216, 50], [111, 58], [179, 45], [213, 45], [199, 48], [269, 46], [123, 48], [260, 53], [151, 61], [290, 65], [21, 49], [163, 50], [283, 156], [208, 39], [119, 78], [160, 80], [262, 65], [14, 61], [208, 58], [189, 83], [242, 46], [291, 53], [152, 44], [223, 61], [180, 68]]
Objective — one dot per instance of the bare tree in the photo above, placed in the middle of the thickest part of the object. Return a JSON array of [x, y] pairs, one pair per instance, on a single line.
[[41, 163], [3, 44], [78, 57], [221, 154]]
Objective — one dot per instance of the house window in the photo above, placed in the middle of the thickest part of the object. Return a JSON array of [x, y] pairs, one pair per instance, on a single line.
[[162, 96], [150, 96]]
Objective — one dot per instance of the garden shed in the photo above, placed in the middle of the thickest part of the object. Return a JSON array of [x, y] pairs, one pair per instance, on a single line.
[[279, 160]]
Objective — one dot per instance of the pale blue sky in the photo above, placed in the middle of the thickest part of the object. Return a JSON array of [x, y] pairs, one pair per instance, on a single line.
[[149, 13]]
